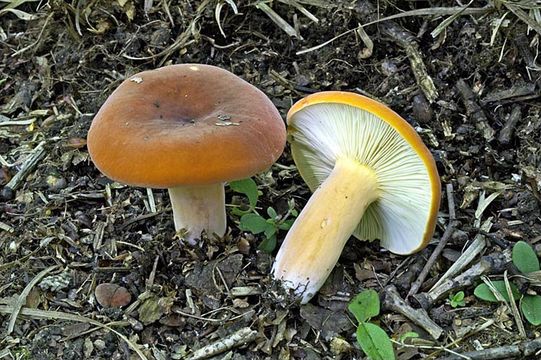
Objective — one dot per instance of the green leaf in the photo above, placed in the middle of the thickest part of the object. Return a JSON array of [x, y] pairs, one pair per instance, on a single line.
[[247, 187], [253, 223], [268, 245], [483, 292], [237, 211], [272, 213], [365, 305], [524, 258], [270, 230], [286, 225], [375, 342], [457, 299], [531, 308]]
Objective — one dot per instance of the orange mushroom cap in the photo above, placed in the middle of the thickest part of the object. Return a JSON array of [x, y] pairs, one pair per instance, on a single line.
[[187, 124]]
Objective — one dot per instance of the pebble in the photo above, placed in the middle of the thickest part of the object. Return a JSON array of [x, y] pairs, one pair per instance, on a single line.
[[112, 295]]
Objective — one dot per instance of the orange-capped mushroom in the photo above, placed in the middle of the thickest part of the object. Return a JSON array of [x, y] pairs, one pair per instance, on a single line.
[[188, 128], [371, 176]]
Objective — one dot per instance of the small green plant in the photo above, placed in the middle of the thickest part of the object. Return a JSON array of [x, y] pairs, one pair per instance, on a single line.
[[252, 221], [247, 187], [375, 343], [457, 300], [22, 353], [526, 261]]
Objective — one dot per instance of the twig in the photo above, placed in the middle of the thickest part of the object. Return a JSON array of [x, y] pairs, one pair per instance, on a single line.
[[519, 351], [238, 338], [21, 299], [433, 257], [506, 133], [408, 42], [475, 248], [441, 245], [31, 161], [151, 201], [515, 91], [393, 301], [492, 263], [450, 192], [474, 111], [152, 276], [513, 305]]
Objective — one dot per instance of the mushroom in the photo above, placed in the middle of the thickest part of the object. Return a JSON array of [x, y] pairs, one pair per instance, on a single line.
[[371, 176], [188, 128]]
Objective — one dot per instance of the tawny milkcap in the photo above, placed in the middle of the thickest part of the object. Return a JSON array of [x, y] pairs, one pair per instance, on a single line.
[[371, 176], [188, 128]]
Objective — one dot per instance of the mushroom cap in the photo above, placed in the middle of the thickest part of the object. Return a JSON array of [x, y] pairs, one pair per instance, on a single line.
[[186, 124], [329, 125]]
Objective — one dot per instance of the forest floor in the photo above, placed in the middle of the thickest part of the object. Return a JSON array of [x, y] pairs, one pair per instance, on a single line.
[[465, 77]]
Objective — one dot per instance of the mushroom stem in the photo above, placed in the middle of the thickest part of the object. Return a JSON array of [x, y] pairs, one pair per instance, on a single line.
[[316, 239], [198, 208]]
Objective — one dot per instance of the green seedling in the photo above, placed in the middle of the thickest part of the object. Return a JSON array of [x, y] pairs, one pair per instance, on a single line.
[[526, 261], [247, 187], [373, 340], [252, 221], [457, 300]]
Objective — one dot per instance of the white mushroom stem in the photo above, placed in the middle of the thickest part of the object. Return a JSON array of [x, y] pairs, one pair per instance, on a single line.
[[199, 208], [316, 239]]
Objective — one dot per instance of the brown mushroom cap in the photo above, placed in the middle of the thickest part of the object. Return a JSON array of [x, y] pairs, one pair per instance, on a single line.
[[185, 124]]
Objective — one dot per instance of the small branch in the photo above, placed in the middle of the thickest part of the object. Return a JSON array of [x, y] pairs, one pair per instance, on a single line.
[[450, 201], [477, 245], [408, 42], [519, 351], [238, 338], [392, 301], [506, 133], [29, 164], [437, 251], [492, 263], [474, 111], [516, 91], [441, 245]]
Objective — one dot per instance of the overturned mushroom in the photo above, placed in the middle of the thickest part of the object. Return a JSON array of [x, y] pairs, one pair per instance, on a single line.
[[372, 177], [188, 128]]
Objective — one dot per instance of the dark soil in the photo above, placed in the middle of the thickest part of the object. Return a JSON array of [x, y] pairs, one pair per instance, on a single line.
[[82, 229]]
